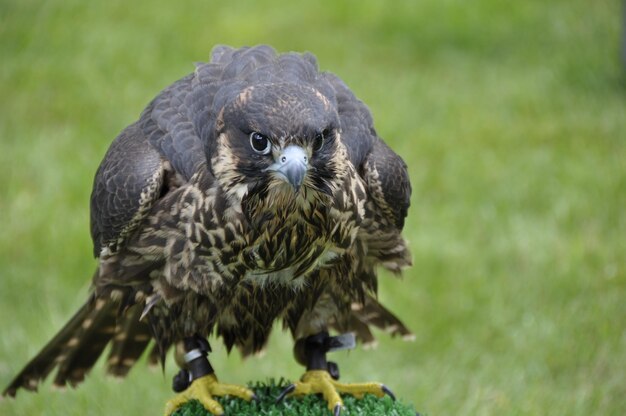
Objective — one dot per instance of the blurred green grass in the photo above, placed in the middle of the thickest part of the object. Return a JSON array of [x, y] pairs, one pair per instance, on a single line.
[[511, 116]]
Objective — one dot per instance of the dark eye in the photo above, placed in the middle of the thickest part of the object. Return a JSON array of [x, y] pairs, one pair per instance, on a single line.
[[318, 142], [260, 143]]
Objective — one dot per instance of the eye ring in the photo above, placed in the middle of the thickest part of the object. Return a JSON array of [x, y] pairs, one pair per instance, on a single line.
[[260, 143], [319, 140]]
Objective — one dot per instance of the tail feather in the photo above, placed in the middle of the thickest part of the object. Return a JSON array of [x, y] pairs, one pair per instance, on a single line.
[[87, 343], [371, 312], [130, 341], [48, 358], [154, 356], [78, 345], [363, 332]]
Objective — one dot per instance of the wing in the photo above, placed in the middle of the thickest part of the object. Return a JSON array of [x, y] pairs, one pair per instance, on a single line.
[[128, 181], [151, 157], [383, 171], [387, 179]]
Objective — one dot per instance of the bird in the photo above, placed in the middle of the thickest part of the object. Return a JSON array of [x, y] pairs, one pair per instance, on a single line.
[[252, 191]]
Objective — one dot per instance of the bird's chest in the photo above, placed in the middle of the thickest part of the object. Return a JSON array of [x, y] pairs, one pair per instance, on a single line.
[[268, 240], [285, 248], [290, 239]]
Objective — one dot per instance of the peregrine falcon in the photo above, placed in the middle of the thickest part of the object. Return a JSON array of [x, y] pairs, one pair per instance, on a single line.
[[251, 191]]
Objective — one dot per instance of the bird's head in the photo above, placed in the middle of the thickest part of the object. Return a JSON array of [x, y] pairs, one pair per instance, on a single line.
[[276, 143]]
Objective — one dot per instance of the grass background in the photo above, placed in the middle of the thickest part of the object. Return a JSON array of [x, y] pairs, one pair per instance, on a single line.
[[511, 116]]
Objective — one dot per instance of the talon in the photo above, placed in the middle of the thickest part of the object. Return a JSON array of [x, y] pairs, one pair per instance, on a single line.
[[319, 381], [333, 370], [205, 389], [388, 392], [290, 388], [322, 375], [181, 381]]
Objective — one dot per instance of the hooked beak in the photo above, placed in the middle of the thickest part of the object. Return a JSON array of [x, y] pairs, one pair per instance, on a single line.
[[291, 165]]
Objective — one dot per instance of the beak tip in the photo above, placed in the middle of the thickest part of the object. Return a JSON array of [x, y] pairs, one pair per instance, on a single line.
[[296, 179]]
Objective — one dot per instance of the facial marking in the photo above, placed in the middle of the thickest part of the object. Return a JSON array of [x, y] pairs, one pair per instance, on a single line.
[[244, 96], [324, 100]]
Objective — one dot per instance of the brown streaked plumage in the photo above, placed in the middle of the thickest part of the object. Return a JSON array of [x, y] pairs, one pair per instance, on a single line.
[[252, 190]]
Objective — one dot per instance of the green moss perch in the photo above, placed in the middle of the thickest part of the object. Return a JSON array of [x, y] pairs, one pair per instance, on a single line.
[[304, 406]]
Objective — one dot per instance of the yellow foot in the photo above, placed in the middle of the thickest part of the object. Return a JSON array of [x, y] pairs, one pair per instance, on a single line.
[[204, 389], [320, 381]]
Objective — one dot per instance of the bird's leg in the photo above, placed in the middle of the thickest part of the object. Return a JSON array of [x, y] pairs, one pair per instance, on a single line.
[[198, 381], [322, 375]]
